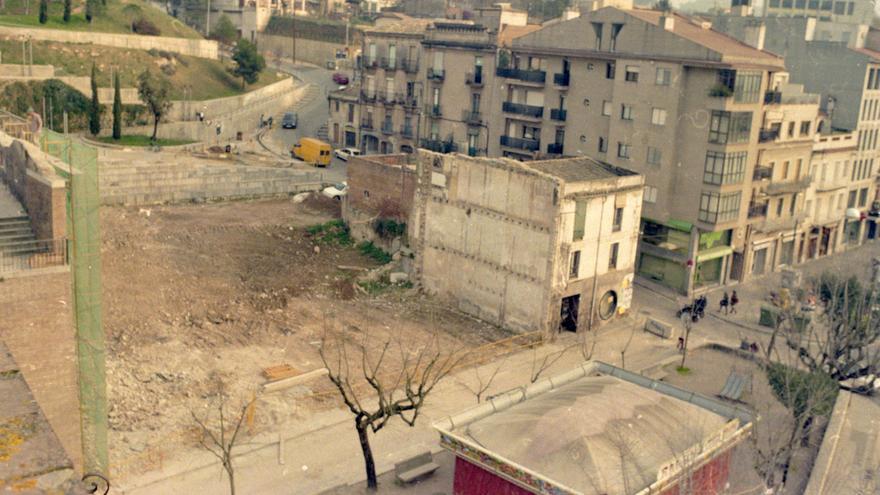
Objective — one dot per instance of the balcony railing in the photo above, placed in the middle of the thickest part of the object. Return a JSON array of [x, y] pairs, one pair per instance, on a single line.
[[387, 128], [433, 110], [520, 109], [471, 117], [768, 135], [520, 143], [535, 76], [406, 131], [561, 78], [410, 101], [474, 80], [387, 63], [390, 97], [371, 63], [436, 74], [408, 65], [476, 152], [366, 124], [368, 96], [439, 146], [558, 114], [758, 211], [762, 172], [24, 255], [790, 186], [554, 148]]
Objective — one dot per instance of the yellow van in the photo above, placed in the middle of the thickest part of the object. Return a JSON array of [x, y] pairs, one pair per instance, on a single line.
[[313, 151]]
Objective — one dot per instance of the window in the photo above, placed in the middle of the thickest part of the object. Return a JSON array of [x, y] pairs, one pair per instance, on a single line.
[[609, 70], [623, 150], [851, 200], [618, 220], [650, 194], [615, 32], [626, 111], [805, 128], [612, 256], [839, 8], [724, 168], [799, 4], [791, 129], [871, 75], [580, 217], [336, 107], [658, 116], [366, 193], [785, 166], [779, 206], [826, 5], [716, 207], [606, 108], [575, 264], [664, 77], [729, 127], [654, 156], [597, 29], [350, 113], [747, 87], [813, 4], [863, 197], [632, 73], [774, 4], [850, 8], [603, 145], [792, 204]]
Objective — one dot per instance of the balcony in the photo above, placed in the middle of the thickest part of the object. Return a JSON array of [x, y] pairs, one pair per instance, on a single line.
[[520, 143], [474, 80], [789, 186], [406, 131], [558, 114], [436, 74], [368, 96], [789, 223], [367, 124], [387, 63], [371, 63], [520, 109], [758, 211], [476, 152], [439, 146], [766, 135], [720, 91], [554, 149], [561, 78], [410, 101], [772, 97], [472, 118], [410, 66], [533, 76], [387, 127], [762, 172], [433, 110]]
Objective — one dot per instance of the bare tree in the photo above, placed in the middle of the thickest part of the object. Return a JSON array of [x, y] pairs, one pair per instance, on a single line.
[[540, 365], [688, 326], [483, 382], [219, 434], [399, 388]]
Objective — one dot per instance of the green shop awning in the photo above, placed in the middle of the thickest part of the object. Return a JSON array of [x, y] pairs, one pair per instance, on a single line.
[[712, 253], [673, 224]]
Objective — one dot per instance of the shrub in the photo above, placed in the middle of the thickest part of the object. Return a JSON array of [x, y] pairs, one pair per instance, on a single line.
[[145, 27], [370, 250], [153, 52], [388, 228], [168, 70], [332, 232]]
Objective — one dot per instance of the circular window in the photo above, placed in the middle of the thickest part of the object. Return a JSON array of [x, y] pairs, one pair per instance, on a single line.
[[608, 305]]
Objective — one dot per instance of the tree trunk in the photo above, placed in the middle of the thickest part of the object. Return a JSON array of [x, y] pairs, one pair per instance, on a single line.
[[231, 474], [369, 463], [155, 127]]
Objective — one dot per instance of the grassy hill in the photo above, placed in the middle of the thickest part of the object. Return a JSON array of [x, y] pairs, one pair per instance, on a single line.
[[207, 78], [114, 19]]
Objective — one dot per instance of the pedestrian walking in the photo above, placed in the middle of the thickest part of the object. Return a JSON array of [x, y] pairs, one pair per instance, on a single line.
[[734, 300], [725, 299], [681, 343]]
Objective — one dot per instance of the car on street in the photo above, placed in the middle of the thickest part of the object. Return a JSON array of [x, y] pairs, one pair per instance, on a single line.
[[345, 153], [289, 120], [336, 191], [340, 78]]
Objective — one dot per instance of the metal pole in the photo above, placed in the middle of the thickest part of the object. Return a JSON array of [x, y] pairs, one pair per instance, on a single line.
[[293, 32], [596, 264], [31, 57], [208, 20]]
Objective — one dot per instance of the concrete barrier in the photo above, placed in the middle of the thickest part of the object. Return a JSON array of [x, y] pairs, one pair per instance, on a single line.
[[659, 328], [184, 46]]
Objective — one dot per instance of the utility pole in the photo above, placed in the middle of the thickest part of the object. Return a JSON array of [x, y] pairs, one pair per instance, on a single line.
[[293, 31], [208, 20]]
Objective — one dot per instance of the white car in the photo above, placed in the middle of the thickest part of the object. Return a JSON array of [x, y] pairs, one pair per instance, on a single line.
[[336, 191], [345, 153]]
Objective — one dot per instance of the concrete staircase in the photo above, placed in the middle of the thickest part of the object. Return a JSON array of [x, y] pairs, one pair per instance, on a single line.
[[323, 133], [153, 183], [17, 240]]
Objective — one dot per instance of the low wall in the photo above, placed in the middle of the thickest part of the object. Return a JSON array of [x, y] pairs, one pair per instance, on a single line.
[[84, 86], [31, 177], [186, 110], [36, 71], [183, 46], [311, 51]]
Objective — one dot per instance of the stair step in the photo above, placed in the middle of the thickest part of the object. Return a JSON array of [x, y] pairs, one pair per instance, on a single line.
[[14, 220]]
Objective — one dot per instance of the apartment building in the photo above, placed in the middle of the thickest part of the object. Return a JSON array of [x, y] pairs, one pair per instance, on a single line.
[[657, 93], [851, 12], [833, 156], [542, 245]]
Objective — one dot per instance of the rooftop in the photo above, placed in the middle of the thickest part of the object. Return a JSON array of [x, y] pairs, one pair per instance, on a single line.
[[412, 25], [622, 433], [578, 169], [509, 33]]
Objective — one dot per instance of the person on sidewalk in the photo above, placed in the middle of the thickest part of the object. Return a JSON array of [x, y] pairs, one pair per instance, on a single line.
[[681, 343], [734, 300], [725, 299]]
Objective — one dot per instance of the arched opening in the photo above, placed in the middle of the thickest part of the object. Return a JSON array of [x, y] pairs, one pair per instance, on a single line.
[[607, 305]]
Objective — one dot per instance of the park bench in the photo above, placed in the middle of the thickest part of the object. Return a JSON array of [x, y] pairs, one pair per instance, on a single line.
[[415, 468], [735, 386]]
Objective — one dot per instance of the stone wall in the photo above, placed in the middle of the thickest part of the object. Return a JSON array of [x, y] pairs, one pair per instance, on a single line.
[[183, 46], [186, 110], [35, 71], [378, 186], [311, 51], [31, 177]]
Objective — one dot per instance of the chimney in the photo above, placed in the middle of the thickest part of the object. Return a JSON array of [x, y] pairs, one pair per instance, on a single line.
[[754, 35], [667, 21]]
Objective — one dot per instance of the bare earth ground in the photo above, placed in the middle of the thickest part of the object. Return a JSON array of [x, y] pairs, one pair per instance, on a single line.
[[194, 292]]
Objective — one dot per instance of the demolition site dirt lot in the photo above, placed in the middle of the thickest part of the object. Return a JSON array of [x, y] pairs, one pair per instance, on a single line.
[[193, 293]]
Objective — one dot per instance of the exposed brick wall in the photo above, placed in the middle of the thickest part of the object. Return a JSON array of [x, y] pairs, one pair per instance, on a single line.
[[471, 479], [710, 479], [372, 183], [29, 174], [37, 327]]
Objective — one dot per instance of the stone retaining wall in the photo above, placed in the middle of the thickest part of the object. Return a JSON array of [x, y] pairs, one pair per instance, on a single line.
[[311, 51]]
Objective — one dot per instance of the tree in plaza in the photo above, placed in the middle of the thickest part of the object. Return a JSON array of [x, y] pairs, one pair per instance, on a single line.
[[67, 8], [155, 92], [400, 383], [44, 11], [117, 108], [662, 5], [248, 62], [95, 106], [132, 12], [224, 31]]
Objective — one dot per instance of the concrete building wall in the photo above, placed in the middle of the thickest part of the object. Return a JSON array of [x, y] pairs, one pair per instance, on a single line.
[[183, 46], [311, 51]]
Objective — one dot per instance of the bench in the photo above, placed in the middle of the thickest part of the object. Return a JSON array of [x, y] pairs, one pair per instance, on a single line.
[[735, 386], [415, 468], [659, 328]]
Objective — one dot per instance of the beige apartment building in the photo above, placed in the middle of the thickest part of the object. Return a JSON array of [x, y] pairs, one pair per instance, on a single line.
[[834, 155]]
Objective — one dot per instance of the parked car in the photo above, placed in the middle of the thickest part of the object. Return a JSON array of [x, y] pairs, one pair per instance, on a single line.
[[289, 120], [336, 191], [340, 78], [345, 153]]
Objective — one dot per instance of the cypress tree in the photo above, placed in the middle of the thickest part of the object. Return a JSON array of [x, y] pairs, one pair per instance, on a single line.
[[67, 8], [90, 10], [95, 107], [44, 11], [117, 108]]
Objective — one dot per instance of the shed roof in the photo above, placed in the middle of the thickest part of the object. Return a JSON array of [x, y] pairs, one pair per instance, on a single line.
[[578, 169]]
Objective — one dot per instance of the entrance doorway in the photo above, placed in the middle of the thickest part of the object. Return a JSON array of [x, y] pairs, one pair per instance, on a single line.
[[568, 317], [759, 262]]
